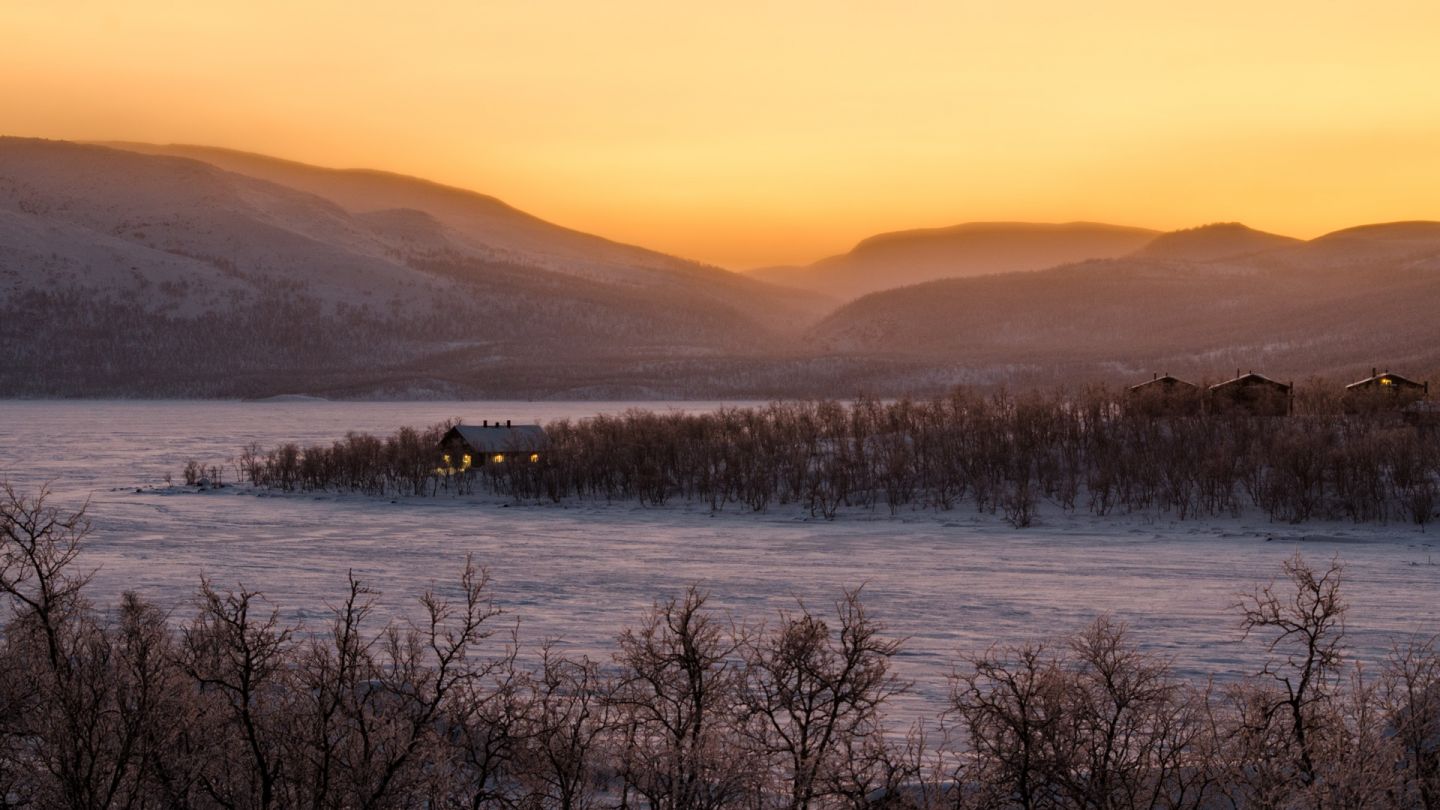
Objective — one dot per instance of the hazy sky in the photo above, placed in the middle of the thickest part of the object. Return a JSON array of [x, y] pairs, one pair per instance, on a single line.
[[747, 133]]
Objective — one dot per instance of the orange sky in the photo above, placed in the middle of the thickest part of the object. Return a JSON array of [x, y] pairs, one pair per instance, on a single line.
[[748, 133]]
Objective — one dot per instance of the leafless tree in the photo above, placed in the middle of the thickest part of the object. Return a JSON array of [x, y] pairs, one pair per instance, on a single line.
[[1010, 705], [1409, 695], [563, 763], [1131, 728], [680, 704], [1304, 626], [422, 667], [816, 695], [238, 656]]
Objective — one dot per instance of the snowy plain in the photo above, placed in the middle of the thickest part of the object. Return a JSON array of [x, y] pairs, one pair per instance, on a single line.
[[950, 582]]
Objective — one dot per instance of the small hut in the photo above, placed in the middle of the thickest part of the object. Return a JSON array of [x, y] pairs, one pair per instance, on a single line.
[[1252, 394], [1165, 395], [466, 446], [1383, 391]]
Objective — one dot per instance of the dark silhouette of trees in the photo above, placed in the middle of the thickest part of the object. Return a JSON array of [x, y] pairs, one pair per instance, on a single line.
[[1004, 455]]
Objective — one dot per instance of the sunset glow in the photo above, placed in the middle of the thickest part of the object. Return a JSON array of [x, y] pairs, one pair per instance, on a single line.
[[755, 133]]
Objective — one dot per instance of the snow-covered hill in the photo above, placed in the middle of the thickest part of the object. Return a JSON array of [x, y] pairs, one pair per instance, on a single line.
[[125, 272]]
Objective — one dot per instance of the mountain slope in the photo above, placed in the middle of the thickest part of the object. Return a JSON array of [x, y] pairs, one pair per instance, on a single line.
[[477, 224], [128, 273], [902, 258], [1339, 302]]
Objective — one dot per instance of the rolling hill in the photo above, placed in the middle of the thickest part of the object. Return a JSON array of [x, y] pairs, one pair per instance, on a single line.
[[143, 274], [1330, 306], [903, 258], [188, 271], [475, 224]]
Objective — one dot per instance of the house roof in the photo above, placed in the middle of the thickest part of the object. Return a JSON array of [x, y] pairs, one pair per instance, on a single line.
[[1379, 379], [500, 438], [1166, 381], [1246, 380]]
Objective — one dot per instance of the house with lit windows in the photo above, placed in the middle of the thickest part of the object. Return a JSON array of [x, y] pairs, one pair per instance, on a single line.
[[467, 446], [1383, 391], [1389, 383]]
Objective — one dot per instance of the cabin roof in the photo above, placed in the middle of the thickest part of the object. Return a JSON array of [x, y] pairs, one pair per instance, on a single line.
[[1164, 381], [1378, 379], [1245, 380], [500, 438]]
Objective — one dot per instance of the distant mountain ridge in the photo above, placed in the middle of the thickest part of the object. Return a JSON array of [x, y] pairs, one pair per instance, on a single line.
[[1222, 240], [901, 258], [1194, 302]]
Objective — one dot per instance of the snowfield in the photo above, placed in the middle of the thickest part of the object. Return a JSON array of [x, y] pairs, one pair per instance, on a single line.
[[952, 582]]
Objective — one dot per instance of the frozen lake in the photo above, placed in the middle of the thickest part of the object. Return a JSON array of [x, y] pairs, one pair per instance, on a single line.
[[952, 582]]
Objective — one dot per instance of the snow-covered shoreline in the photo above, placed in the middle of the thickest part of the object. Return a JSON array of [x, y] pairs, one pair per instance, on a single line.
[[950, 582]]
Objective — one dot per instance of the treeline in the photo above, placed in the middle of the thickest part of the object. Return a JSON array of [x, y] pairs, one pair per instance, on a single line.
[[1095, 451], [85, 343], [695, 709], [405, 463], [73, 343]]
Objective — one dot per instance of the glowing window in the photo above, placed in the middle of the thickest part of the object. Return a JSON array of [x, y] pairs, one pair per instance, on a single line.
[[499, 458], [534, 457], [465, 460], [1386, 381], [447, 458]]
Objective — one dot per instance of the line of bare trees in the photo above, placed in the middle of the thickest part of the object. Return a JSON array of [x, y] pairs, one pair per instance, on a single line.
[[696, 710], [405, 463], [1094, 451]]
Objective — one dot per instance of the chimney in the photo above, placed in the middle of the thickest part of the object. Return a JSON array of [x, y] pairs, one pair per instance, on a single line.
[[1374, 372], [507, 423], [485, 423]]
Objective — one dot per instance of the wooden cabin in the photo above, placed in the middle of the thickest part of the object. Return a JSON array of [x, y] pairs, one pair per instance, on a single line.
[[1165, 395], [1383, 391], [467, 446], [1252, 394]]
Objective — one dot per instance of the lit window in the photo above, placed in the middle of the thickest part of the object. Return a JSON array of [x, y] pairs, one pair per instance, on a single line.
[[1386, 381], [447, 458], [534, 457], [465, 460], [499, 458]]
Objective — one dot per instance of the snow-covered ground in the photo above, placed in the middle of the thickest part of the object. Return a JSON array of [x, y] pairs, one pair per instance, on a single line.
[[951, 582]]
